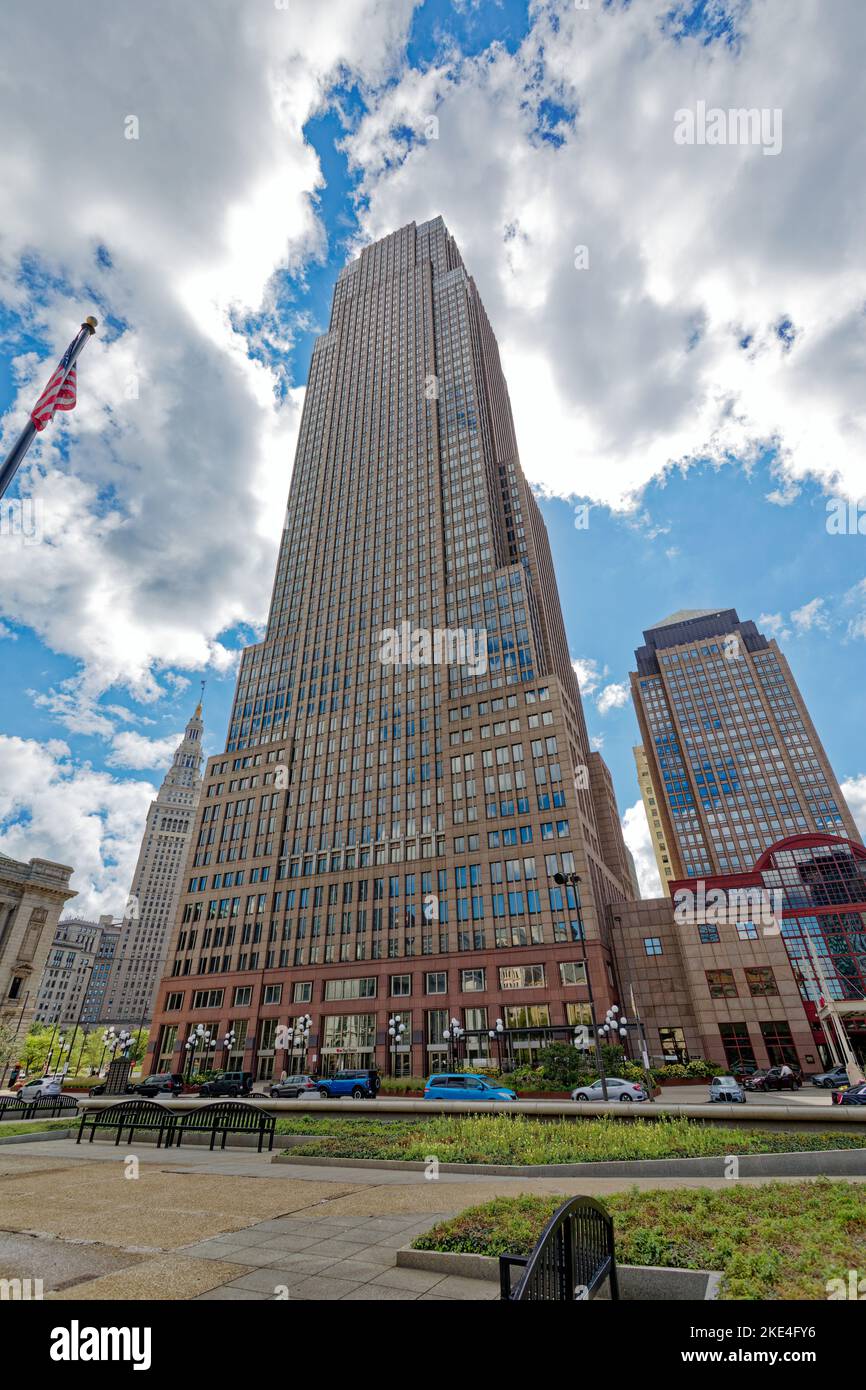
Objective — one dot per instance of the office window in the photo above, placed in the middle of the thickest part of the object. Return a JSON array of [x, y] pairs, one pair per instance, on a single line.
[[572, 972], [472, 981], [401, 985], [721, 984], [708, 934], [302, 991], [242, 997], [521, 976], [761, 980], [436, 982], [652, 945]]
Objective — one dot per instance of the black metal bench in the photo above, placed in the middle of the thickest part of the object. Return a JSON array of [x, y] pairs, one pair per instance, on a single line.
[[44, 1107], [573, 1258], [129, 1115], [227, 1117]]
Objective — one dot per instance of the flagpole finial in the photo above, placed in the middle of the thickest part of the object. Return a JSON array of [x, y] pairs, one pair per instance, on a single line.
[[91, 323]]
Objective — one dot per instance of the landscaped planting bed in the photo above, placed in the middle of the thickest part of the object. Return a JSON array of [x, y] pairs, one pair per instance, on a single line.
[[772, 1241], [519, 1140]]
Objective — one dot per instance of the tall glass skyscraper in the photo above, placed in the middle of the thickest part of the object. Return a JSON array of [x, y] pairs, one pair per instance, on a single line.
[[734, 758], [407, 764]]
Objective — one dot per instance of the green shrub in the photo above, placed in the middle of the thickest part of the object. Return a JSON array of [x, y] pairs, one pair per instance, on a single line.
[[773, 1241]]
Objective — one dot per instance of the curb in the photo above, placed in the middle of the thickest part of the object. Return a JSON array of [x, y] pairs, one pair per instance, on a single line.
[[817, 1163], [644, 1283], [37, 1137]]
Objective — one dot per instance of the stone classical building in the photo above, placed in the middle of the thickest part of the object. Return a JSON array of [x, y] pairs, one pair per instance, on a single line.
[[32, 896], [734, 760], [407, 764], [156, 886]]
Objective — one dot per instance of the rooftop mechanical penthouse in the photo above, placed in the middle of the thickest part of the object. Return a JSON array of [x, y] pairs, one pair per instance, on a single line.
[[380, 837]]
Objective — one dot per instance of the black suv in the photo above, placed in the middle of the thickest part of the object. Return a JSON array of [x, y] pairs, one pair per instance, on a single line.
[[228, 1083], [161, 1083]]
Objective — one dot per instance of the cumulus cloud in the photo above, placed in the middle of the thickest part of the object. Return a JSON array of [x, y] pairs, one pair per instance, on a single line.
[[131, 749], [613, 696], [162, 532], [52, 808], [588, 674], [773, 625], [721, 308], [636, 833]]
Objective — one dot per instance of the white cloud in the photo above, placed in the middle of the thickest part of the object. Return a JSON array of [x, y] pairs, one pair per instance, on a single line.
[[773, 625], [53, 808], [812, 615], [636, 833], [854, 792], [164, 531], [588, 674], [638, 362], [131, 749], [613, 696]]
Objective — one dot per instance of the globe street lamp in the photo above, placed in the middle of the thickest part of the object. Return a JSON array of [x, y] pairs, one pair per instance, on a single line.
[[300, 1036], [571, 880], [452, 1037], [496, 1034], [228, 1043], [396, 1029]]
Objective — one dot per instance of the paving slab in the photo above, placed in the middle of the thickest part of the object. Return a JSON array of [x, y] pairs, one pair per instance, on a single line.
[[169, 1277]]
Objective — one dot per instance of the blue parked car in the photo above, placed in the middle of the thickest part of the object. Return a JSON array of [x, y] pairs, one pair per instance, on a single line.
[[464, 1085], [360, 1085]]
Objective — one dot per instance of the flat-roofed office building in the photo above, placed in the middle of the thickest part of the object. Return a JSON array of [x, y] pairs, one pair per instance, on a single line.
[[407, 764]]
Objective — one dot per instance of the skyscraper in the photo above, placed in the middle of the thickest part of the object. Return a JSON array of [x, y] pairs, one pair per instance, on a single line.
[[654, 817], [734, 759], [407, 764], [156, 884]]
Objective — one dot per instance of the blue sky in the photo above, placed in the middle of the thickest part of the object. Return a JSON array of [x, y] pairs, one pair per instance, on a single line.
[[657, 387]]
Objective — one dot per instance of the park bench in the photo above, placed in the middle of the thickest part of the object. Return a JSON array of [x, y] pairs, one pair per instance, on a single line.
[[129, 1115], [41, 1107], [227, 1117], [573, 1258]]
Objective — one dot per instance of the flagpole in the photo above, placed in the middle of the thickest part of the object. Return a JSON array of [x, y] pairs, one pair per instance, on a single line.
[[25, 438]]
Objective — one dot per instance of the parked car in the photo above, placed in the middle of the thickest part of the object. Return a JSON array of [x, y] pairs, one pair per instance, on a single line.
[[617, 1089], [294, 1086], [99, 1089], [727, 1088], [360, 1085], [773, 1080], [465, 1085], [851, 1095], [41, 1086], [228, 1083], [743, 1069], [836, 1076], [160, 1083]]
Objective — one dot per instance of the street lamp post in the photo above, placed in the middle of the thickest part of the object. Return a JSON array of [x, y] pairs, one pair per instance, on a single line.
[[452, 1036], [299, 1036], [496, 1035], [228, 1043], [572, 880], [396, 1029]]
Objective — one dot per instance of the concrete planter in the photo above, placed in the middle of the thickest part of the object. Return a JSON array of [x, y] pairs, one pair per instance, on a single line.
[[839, 1163], [637, 1283]]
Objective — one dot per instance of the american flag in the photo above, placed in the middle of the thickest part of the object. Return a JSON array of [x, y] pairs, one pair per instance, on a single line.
[[59, 394]]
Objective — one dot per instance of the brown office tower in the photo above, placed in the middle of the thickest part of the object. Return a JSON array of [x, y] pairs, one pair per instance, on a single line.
[[734, 759], [407, 765]]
